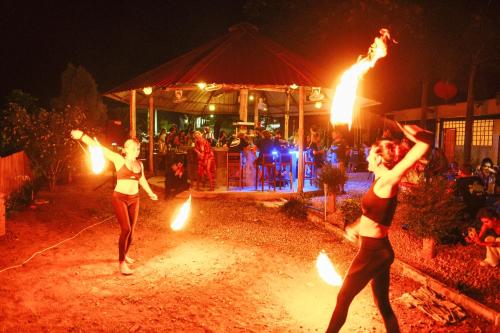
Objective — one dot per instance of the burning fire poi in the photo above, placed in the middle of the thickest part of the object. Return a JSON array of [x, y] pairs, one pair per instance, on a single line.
[[345, 93], [326, 270], [181, 218], [97, 157]]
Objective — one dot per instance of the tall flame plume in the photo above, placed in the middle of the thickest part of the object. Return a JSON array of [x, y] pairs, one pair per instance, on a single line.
[[345, 93]]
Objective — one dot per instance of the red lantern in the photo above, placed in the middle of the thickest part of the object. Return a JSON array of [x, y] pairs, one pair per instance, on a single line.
[[445, 90]]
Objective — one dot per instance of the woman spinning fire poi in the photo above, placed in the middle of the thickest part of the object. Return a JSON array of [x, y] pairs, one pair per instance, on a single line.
[[375, 256], [125, 200]]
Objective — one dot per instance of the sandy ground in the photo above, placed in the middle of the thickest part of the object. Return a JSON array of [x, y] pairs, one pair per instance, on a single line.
[[236, 267]]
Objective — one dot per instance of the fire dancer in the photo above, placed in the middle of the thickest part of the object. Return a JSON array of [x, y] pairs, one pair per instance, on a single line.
[[375, 255], [125, 200]]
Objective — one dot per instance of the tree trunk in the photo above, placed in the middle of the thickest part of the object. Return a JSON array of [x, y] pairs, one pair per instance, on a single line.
[[469, 114], [332, 203], [428, 248], [52, 184]]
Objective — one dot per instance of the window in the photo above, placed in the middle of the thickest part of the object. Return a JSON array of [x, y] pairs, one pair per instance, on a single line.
[[482, 131]]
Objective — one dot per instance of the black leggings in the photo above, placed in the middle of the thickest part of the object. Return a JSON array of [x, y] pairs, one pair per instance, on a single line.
[[373, 262], [126, 210]]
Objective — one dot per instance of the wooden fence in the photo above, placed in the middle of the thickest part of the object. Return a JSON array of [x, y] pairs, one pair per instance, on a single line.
[[15, 170]]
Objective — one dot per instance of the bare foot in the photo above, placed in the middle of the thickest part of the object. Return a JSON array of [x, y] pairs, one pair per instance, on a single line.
[[124, 269], [129, 260]]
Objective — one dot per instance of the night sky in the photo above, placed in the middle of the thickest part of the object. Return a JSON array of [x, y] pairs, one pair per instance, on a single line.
[[115, 41]]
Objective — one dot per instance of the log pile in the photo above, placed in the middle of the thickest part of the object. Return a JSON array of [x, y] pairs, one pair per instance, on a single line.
[[434, 305]]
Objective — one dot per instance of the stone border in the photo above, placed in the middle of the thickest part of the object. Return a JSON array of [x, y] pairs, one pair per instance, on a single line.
[[410, 272]]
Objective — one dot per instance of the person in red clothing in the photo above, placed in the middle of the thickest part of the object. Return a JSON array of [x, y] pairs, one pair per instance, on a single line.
[[206, 160]]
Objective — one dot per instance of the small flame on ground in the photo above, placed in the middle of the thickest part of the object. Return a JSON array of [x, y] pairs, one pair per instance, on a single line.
[[345, 93], [326, 270], [97, 157], [181, 218]]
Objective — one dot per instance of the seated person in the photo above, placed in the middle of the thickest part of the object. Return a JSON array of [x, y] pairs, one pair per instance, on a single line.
[[471, 190], [486, 172], [489, 235], [266, 146], [238, 144]]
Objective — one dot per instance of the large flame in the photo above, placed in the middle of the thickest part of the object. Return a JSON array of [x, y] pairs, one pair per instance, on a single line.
[[345, 93], [326, 270], [181, 218], [97, 157]]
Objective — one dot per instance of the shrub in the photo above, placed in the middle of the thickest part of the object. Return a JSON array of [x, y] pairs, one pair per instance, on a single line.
[[351, 210], [296, 207], [20, 198], [431, 210], [331, 176]]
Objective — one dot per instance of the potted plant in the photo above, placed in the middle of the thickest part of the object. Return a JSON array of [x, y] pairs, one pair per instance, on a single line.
[[330, 178], [431, 212]]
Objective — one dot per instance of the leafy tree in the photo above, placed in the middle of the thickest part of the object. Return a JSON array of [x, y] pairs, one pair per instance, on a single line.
[[79, 91], [431, 210], [44, 136]]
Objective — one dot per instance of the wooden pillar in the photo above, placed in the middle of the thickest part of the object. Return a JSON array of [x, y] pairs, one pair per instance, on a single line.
[[151, 133], [287, 115], [300, 187], [244, 105], [256, 110], [133, 117]]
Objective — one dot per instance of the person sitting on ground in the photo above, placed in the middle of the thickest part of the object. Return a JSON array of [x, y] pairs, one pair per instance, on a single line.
[[489, 235], [487, 174], [470, 190]]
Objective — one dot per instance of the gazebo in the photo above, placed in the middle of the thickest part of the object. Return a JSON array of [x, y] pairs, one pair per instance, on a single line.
[[239, 71]]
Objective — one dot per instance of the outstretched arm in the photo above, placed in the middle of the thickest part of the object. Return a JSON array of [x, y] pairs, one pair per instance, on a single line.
[[422, 140], [109, 154], [145, 185]]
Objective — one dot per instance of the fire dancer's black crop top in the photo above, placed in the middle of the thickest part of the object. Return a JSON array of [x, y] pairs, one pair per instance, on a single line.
[[126, 173], [380, 210]]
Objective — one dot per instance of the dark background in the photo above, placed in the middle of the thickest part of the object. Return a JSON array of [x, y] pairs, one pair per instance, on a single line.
[[117, 40]]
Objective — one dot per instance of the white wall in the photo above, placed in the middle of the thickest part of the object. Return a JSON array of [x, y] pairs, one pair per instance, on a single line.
[[457, 110]]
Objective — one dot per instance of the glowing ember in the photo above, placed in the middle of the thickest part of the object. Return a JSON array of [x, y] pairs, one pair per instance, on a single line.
[[326, 270], [345, 93], [181, 218], [97, 157]]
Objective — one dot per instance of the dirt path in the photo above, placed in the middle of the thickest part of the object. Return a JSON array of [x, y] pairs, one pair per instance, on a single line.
[[237, 267]]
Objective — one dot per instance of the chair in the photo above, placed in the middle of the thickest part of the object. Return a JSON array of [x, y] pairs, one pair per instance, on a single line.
[[234, 169], [267, 167], [285, 168], [309, 168]]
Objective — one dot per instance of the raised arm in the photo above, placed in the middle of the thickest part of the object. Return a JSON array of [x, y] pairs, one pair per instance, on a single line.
[[422, 140], [109, 154]]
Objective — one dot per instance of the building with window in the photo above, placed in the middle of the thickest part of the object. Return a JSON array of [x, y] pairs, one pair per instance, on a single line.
[[448, 122]]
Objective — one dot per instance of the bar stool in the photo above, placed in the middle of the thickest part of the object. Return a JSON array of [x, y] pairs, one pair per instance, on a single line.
[[234, 169], [285, 167], [267, 167], [309, 168]]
